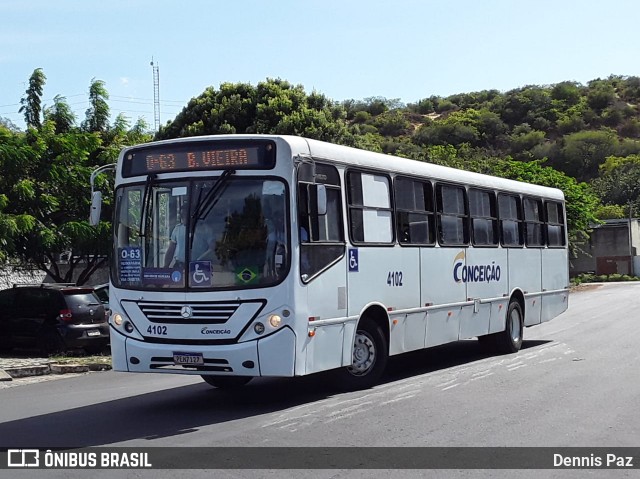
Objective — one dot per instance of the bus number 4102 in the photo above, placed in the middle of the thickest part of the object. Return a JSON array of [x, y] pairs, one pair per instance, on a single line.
[[394, 278]]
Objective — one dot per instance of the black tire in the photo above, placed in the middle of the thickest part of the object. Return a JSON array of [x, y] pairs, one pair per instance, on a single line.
[[510, 340], [226, 382], [370, 356], [50, 342]]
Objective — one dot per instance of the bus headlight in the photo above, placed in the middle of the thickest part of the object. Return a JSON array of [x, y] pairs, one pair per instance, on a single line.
[[117, 319], [259, 328], [275, 320]]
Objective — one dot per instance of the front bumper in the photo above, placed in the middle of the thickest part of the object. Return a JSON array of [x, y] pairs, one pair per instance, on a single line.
[[273, 355]]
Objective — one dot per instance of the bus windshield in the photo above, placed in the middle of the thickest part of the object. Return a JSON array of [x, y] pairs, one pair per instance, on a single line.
[[213, 233]]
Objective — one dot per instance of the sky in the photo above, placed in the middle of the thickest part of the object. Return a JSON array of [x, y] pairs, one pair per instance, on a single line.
[[344, 49]]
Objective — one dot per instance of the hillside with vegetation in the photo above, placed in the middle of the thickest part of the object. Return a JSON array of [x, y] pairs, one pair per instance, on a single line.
[[588, 132], [584, 139]]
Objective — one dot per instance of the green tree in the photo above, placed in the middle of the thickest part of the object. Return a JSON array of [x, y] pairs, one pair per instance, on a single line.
[[566, 92], [392, 123], [609, 212], [582, 153], [44, 192], [32, 102], [48, 197], [273, 106], [601, 94], [97, 115], [61, 115], [619, 182]]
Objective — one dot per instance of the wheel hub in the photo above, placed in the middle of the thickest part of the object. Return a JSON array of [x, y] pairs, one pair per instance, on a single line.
[[515, 326], [364, 354]]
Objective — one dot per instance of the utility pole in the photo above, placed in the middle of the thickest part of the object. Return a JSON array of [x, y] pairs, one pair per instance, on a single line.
[[156, 95], [631, 262]]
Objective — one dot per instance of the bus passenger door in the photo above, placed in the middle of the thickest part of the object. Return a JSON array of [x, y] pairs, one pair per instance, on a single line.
[[322, 269]]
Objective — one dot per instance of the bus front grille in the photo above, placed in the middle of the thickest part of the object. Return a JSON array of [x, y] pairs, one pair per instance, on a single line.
[[191, 313]]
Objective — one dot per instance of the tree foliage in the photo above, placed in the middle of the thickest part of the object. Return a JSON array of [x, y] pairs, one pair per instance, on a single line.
[[97, 115], [584, 139], [32, 101], [619, 182], [273, 106], [44, 188]]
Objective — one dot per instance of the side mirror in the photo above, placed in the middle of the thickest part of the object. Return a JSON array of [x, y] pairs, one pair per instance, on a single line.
[[96, 207]]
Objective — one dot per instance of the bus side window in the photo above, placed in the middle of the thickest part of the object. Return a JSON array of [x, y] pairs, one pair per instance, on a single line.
[[484, 217], [510, 220], [370, 212], [452, 215], [414, 212], [555, 224], [533, 222]]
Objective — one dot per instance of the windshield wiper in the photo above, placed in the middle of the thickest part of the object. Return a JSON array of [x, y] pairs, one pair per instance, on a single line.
[[204, 205], [146, 202]]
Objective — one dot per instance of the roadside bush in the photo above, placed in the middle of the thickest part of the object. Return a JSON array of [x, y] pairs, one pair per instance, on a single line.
[[602, 278]]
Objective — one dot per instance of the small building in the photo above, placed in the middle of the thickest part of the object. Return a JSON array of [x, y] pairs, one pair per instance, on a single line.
[[612, 249]]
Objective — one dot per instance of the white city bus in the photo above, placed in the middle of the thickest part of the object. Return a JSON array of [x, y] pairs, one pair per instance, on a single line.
[[238, 256]]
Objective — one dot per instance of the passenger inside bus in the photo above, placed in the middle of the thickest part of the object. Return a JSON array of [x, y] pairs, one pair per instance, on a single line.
[[175, 255], [276, 238]]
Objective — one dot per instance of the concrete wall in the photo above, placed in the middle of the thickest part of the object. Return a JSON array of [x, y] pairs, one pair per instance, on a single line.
[[11, 275]]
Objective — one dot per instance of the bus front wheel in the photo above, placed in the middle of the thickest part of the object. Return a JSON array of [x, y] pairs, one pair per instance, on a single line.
[[370, 354], [226, 382]]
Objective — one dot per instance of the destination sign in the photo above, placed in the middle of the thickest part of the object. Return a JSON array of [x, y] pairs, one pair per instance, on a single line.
[[200, 155]]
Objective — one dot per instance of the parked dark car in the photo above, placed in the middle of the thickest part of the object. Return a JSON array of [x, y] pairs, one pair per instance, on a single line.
[[53, 318], [102, 291]]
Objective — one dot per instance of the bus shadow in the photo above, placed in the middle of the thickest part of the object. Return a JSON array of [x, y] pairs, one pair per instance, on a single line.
[[441, 357], [183, 410]]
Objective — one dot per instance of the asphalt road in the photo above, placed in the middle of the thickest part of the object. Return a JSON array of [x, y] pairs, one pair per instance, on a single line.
[[574, 383]]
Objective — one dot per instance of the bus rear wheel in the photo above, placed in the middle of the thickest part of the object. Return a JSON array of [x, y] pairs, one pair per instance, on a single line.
[[510, 340], [226, 382], [370, 355]]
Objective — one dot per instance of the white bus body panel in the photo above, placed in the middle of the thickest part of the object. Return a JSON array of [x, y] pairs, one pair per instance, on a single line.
[[390, 277], [326, 298], [485, 291], [439, 288], [525, 273], [555, 277]]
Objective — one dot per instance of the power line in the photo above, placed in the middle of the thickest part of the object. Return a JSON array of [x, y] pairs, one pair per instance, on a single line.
[[112, 98], [147, 99]]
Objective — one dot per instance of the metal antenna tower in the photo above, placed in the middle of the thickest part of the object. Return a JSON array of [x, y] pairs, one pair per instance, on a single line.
[[156, 95]]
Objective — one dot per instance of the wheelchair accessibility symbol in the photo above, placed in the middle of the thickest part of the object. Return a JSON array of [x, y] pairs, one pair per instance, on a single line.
[[200, 273], [353, 260]]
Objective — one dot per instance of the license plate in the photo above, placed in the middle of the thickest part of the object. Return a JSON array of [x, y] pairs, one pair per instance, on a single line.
[[194, 359], [93, 332]]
